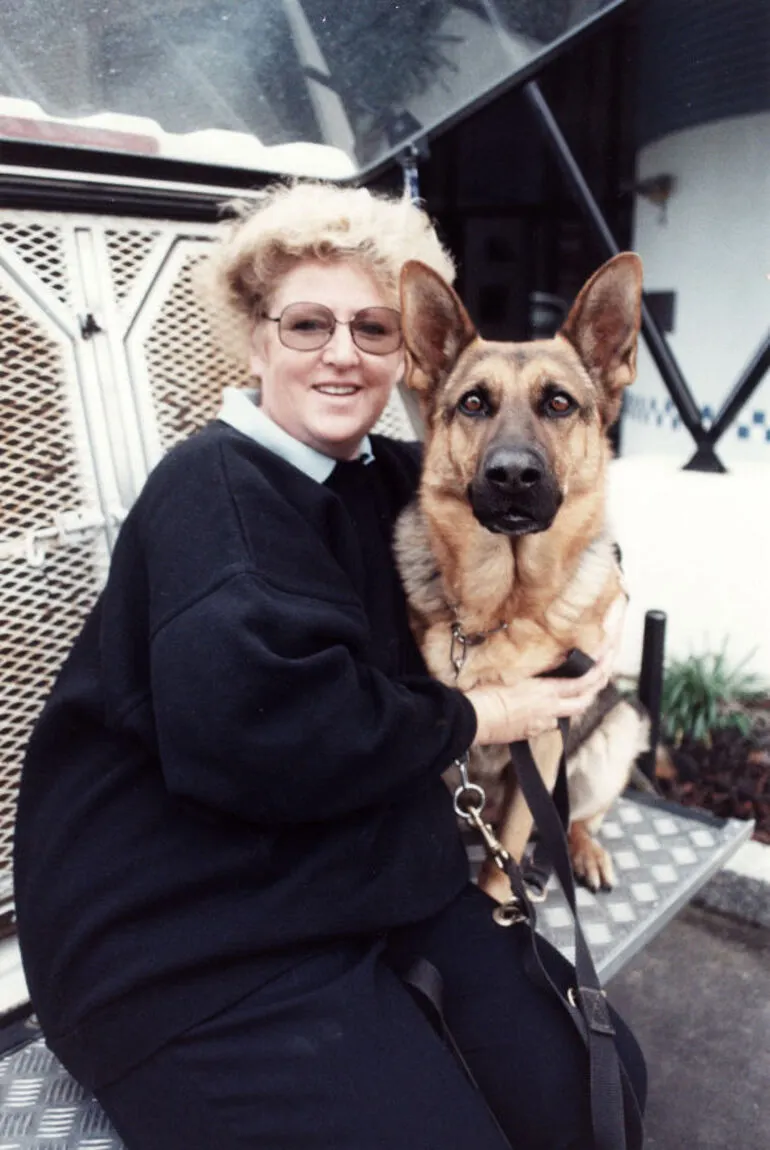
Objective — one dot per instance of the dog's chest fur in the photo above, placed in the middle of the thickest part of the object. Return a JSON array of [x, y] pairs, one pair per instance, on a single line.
[[526, 635]]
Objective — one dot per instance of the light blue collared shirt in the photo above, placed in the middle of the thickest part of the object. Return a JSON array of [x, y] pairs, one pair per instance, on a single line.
[[240, 410]]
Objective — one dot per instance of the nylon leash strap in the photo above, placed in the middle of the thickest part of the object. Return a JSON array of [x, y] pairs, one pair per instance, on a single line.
[[612, 1096]]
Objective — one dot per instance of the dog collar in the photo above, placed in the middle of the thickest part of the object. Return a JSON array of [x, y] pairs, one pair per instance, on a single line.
[[462, 640]]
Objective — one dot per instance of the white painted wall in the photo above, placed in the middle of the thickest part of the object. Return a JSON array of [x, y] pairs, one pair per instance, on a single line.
[[695, 545], [712, 247]]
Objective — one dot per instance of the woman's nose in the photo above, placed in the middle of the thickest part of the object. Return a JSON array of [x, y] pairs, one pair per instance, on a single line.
[[340, 348]]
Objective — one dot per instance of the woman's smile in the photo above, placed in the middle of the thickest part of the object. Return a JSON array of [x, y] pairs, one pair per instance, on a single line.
[[343, 390]]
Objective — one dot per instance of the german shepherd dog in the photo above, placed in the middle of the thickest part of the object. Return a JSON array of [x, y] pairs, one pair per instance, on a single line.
[[505, 556]]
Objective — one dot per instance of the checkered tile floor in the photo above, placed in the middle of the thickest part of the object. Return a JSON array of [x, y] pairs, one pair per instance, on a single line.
[[662, 857]]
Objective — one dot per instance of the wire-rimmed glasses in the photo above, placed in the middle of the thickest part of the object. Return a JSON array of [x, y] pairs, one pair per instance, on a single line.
[[310, 326]]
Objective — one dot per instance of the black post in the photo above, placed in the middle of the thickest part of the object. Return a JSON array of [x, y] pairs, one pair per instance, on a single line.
[[659, 349], [651, 682]]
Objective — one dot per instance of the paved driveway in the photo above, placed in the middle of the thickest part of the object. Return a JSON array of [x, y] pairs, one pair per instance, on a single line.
[[698, 998]]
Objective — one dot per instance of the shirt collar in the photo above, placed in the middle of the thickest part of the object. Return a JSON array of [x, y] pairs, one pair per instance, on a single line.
[[240, 409]]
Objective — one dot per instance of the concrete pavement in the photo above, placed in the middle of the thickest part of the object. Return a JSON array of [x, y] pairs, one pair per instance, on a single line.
[[698, 999]]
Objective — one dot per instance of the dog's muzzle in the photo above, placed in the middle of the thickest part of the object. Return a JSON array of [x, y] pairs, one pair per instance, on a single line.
[[514, 491]]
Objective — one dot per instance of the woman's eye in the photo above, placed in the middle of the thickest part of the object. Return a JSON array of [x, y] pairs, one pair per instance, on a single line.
[[559, 403], [473, 404], [309, 325]]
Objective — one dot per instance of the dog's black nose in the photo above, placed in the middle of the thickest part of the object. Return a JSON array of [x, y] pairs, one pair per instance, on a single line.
[[513, 468]]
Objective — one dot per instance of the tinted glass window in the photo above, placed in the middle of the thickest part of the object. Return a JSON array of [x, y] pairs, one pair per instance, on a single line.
[[306, 86]]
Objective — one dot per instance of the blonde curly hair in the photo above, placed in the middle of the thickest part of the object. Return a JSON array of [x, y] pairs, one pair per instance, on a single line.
[[302, 221]]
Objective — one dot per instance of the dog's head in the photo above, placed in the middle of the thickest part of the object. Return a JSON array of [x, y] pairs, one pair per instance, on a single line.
[[517, 427]]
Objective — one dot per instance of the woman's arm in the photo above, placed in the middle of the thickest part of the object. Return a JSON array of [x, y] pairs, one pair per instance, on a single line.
[[263, 708]]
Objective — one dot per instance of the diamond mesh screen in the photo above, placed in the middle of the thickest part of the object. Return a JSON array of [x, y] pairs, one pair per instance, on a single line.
[[128, 249], [46, 584], [186, 369], [42, 249], [395, 421], [41, 611], [40, 465]]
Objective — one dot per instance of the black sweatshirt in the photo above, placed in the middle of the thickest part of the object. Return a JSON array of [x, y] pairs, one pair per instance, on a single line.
[[241, 759]]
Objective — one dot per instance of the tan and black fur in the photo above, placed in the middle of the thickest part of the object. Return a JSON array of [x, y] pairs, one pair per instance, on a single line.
[[508, 537]]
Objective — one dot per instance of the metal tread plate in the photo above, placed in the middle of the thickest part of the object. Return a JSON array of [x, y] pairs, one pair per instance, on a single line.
[[663, 855], [43, 1108]]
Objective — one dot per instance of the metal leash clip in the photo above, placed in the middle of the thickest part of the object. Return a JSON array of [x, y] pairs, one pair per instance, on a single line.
[[458, 653], [469, 800]]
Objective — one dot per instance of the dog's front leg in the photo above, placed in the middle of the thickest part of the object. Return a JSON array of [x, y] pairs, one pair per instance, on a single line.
[[591, 862], [516, 822]]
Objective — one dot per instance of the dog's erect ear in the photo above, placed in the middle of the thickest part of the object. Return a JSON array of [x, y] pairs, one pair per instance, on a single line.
[[436, 326], [603, 327]]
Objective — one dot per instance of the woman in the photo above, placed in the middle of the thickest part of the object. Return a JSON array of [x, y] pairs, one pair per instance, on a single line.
[[232, 825]]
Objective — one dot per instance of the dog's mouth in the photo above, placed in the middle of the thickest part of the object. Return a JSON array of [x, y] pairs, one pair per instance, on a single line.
[[524, 516], [513, 523]]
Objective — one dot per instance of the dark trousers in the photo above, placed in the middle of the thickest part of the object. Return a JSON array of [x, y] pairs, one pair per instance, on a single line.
[[338, 1053]]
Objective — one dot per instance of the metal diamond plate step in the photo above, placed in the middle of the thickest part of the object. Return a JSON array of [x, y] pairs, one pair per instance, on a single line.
[[43, 1108], [663, 856]]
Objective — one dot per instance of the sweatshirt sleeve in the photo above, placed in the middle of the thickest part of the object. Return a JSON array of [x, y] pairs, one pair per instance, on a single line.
[[265, 709]]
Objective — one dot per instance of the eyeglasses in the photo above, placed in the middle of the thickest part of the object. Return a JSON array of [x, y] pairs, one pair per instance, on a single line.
[[309, 326]]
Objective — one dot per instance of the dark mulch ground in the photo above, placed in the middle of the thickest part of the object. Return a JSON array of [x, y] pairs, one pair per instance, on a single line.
[[730, 778]]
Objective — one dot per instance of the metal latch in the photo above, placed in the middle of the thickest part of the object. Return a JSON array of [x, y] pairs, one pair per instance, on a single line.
[[89, 325], [73, 526], [78, 524]]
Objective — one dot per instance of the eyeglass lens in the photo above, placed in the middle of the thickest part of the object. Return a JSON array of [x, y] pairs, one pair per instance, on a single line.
[[308, 326]]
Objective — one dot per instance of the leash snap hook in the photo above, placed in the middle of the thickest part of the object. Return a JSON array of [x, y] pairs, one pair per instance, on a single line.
[[458, 650], [509, 913], [468, 800]]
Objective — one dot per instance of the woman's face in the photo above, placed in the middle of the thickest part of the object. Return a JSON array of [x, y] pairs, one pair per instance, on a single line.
[[329, 398]]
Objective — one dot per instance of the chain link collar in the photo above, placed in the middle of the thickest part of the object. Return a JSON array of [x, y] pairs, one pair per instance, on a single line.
[[462, 640]]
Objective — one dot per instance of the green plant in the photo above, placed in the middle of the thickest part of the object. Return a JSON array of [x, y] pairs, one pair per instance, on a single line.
[[703, 694]]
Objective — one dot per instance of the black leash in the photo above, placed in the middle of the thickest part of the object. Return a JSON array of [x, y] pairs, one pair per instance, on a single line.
[[587, 1007], [612, 1095], [423, 977], [611, 1090]]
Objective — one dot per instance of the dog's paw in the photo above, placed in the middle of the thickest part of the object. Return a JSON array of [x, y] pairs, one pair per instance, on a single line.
[[591, 863]]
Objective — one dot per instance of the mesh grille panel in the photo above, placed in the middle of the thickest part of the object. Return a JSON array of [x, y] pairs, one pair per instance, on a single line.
[[41, 612], [394, 420], [187, 371], [127, 251], [42, 248], [40, 469]]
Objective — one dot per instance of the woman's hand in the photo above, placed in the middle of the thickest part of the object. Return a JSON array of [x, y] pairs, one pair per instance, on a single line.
[[506, 714]]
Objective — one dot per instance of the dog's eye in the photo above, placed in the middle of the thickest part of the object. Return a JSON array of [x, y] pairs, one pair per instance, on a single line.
[[559, 403], [473, 403]]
